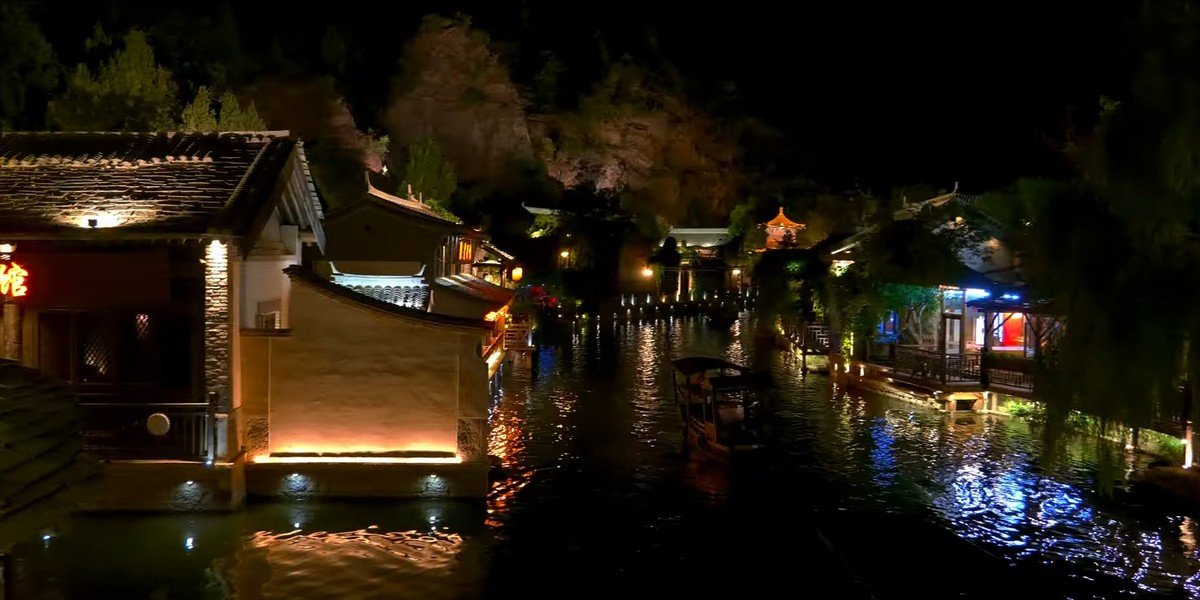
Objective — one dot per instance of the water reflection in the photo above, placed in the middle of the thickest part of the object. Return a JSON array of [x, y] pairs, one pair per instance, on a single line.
[[592, 487], [427, 549]]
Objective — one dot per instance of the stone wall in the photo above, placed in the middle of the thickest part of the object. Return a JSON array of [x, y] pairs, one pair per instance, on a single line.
[[218, 347], [166, 486]]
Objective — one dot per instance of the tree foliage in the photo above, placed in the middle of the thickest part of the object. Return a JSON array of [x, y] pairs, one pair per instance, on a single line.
[[198, 115], [229, 114], [428, 173], [1118, 248], [128, 91], [28, 69], [454, 87], [634, 137]]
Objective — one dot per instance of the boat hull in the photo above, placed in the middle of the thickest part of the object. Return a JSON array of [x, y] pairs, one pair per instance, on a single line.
[[701, 439]]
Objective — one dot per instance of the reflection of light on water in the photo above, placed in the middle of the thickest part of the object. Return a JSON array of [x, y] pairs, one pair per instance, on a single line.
[[506, 436], [360, 563], [500, 497], [1187, 534], [882, 462]]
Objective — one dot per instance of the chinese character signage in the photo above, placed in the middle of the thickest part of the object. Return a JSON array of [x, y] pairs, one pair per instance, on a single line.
[[12, 280]]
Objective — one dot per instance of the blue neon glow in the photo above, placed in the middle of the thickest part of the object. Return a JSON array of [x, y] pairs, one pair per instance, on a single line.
[[976, 293], [1011, 297]]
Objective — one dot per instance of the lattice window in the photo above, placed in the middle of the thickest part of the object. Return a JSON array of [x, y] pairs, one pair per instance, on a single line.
[[141, 325], [95, 350]]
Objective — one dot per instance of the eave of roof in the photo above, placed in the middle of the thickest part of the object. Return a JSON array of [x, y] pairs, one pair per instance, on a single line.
[[301, 275], [781, 220], [140, 174], [476, 288]]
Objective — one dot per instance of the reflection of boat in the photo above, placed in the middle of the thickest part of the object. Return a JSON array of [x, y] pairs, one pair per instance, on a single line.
[[722, 317], [718, 404]]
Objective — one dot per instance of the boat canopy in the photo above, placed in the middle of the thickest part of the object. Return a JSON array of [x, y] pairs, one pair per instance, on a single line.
[[690, 365], [745, 381]]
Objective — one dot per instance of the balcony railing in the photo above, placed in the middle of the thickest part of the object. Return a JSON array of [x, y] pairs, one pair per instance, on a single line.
[[1012, 379], [936, 367], [119, 431], [1009, 371]]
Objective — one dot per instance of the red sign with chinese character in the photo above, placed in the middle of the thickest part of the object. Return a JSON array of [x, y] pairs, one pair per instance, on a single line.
[[12, 280]]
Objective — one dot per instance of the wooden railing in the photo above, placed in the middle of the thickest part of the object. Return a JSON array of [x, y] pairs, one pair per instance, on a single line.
[[517, 334], [936, 367], [1013, 372], [494, 343], [1012, 379], [118, 431]]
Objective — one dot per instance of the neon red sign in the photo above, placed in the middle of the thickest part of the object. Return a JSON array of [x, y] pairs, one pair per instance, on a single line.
[[12, 280]]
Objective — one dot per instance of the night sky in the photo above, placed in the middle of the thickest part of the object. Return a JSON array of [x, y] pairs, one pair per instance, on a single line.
[[861, 93]]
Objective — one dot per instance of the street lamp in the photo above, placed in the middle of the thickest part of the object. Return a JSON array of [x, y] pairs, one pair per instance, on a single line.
[[565, 253], [647, 272]]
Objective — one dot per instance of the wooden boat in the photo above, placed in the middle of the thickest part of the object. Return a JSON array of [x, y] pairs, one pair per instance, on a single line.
[[719, 405]]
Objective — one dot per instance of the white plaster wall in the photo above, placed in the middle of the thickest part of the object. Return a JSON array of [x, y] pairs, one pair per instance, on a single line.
[[447, 302], [263, 280], [349, 379], [472, 380]]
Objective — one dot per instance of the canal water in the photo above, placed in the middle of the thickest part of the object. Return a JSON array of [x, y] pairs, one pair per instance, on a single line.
[[859, 496]]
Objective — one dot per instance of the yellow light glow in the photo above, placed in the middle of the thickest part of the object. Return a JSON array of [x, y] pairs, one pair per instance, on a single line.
[[493, 361], [491, 316], [12, 280], [366, 460], [647, 272], [99, 221], [737, 272], [565, 253], [517, 273], [7, 248]]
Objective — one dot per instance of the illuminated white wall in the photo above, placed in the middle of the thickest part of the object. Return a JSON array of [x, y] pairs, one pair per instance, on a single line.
[[352, 379]]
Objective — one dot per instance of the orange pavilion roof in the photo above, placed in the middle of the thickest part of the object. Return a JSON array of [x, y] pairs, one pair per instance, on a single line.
[[781, 220]]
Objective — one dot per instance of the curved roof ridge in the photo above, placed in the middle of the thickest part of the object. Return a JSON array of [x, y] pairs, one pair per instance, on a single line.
[[300, 274]]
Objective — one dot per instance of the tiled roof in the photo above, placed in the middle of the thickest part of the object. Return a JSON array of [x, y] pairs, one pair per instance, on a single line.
[[408, 296], [781, 221], [302, 275], [477, 288], [141, 183]]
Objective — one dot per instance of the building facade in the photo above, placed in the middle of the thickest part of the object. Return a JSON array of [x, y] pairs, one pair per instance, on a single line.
[[163, 276]]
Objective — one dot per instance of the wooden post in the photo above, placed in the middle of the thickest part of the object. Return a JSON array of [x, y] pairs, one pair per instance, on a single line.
[[962, 326], [984, 380], [941, 341], [12, 331], [803, 349], [1188, 446]]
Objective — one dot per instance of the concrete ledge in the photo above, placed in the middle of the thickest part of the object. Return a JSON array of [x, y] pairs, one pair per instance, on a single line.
[[166, 486], [304, 481]]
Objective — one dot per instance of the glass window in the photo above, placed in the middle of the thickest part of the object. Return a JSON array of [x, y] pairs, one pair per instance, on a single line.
[[953, 300]]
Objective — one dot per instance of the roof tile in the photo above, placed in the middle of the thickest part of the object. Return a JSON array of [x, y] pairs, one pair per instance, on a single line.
[[165, 183]]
